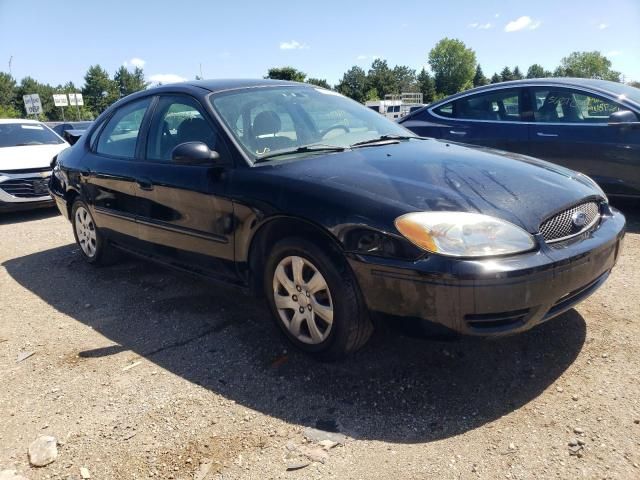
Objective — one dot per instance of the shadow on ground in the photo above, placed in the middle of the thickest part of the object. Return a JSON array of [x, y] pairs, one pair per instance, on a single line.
[[8, 218], [397, 389]]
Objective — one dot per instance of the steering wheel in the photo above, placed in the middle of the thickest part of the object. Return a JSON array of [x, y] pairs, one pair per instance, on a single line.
[[323, 133]]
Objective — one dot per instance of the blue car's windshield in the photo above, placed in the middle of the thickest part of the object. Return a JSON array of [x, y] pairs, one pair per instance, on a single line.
[[283, 119]]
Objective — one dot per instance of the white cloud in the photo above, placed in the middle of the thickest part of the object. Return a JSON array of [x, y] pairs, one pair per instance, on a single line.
[[135, 62], [497, 15], [613, 53], [293, 45], [362, 57], [602, 26], [522, 23], [166, 78], [480, 26]]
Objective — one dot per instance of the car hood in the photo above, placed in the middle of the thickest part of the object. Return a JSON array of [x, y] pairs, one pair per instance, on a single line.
[[432, 175], [28, 156]]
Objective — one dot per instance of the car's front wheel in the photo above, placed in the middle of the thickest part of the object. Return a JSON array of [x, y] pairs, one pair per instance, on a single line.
[[93, 246], [315, 300]]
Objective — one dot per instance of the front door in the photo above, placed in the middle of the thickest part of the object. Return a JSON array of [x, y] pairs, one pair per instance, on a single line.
[[571, 129], [184, 214]]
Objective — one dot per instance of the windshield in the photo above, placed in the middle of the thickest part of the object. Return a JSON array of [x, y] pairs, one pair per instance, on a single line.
[[627, 91], [19, 134], [281, 119]]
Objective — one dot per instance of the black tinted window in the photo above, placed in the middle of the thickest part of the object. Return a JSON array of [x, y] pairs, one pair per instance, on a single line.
[[120, 136], [500, 105], [560, 105], [178, 119]]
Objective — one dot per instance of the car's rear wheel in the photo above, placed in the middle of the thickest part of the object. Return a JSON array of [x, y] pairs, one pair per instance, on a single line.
[[315, 300], [93, 247]]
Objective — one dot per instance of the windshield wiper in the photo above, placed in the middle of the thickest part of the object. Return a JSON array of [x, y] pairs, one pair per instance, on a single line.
[[382, 138], [303, 149]]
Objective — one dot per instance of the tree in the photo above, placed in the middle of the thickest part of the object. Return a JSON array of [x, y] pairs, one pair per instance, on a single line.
[[99, 90], [286, 73], [479, 79], [495, 78], [536, 71], [8, 96], [404, 79], [353, 84], [517, 74], [320, 82], [587, 65], [427, 86], [382, 78], [127, 82], [634, 84], [506, 75], [453, 65]]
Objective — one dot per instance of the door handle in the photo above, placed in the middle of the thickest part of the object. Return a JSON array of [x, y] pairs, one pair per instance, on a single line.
[[144, 184], [542, 134], [457, 132]]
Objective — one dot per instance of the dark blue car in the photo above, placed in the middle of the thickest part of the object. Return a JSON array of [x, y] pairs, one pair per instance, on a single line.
[[592, 126]]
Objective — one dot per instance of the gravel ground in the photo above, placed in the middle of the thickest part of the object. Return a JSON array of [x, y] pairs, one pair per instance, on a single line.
[[141, 372]]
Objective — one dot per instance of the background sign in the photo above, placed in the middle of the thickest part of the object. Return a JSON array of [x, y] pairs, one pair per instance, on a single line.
[[76, 99], [60, 100], [32, 104]]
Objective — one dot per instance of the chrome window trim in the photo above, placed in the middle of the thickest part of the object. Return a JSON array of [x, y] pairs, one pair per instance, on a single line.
[[606, 95]]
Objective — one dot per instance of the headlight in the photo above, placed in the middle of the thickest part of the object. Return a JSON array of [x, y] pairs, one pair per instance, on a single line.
[[462, 234]]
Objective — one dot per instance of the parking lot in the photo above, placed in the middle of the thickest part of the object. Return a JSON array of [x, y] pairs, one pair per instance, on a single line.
[[142, 372]]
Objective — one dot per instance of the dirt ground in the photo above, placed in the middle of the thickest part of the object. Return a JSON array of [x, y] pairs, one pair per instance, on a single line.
[[141, 372]]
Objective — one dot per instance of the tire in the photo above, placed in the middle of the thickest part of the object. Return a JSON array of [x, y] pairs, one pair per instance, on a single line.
[[302, 303], [93, 246]]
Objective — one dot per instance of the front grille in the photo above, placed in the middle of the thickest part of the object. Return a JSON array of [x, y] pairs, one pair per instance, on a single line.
[[26, 187], [562, 226], [25, 170]]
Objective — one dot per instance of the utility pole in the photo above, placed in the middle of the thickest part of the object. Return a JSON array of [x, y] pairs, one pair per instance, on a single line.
[[10, 62]]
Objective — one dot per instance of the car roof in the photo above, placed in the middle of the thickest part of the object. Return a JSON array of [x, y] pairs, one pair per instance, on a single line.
[[592, 83], [220, 85]]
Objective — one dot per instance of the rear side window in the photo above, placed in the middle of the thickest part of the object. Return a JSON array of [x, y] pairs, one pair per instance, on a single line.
[[120, 135], [445, 110], [500, 106]]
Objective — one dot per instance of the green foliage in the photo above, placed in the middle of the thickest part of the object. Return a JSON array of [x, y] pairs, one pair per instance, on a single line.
[[635, 84], [517, 74], [99, 90], [535, 71], [320, 82], [506, 74], [453, 65], [286, 73], [404, 79], [479, 79], [381, 77], [7, 90], [427, 86], [371, 95], [129, 82], [495, 78], [587, 65], [354, 84]]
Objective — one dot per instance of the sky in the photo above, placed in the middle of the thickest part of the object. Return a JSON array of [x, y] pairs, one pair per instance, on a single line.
[[55, 42]]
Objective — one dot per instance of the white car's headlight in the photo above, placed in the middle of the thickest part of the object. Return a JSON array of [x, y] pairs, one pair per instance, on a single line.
[[462, 234]]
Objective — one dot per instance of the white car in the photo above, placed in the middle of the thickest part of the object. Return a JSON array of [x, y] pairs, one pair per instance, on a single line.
[[26, 150]]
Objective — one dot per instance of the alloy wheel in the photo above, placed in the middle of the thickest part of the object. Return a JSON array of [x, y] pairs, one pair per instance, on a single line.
[[303, 300], [86, 232]]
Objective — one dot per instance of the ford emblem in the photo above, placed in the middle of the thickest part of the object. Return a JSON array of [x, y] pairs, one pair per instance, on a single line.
[[579, 219]]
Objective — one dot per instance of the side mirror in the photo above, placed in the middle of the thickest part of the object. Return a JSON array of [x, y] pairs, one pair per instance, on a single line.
[[194, 153], [623, 117]]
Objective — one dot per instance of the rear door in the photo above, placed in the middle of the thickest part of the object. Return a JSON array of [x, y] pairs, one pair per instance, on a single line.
[[571, 129], [112, 169], [489, 118], [184, 213]]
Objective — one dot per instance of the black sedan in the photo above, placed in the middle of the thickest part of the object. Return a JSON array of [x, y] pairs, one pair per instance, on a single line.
[[592, 126], [333, 212]]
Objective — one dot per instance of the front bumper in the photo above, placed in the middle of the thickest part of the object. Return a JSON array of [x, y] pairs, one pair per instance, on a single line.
[[19, 191], [493, 296]]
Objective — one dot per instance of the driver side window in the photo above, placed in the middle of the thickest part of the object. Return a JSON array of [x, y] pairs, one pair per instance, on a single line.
[[178, 119]]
